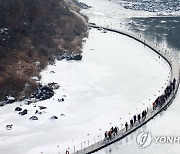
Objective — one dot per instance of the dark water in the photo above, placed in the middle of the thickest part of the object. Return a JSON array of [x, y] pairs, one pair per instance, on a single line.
[[158, 29]]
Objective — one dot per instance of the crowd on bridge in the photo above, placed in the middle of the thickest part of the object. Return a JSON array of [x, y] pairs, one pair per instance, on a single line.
[[157, 104], [111, 133]]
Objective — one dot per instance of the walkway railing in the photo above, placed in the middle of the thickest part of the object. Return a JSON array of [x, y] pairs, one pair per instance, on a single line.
[[171, 59]]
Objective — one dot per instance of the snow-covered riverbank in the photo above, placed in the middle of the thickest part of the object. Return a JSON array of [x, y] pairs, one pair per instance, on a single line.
[[109, 83]]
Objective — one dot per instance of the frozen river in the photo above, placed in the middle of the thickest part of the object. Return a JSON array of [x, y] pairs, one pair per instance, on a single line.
[[117, 76], [164, 30], [115, 79]]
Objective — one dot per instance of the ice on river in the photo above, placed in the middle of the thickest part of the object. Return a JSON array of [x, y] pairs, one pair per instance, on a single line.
[[116, 77]]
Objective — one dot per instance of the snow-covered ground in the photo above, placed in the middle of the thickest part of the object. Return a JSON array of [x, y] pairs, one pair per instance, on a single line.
[[116, 77]]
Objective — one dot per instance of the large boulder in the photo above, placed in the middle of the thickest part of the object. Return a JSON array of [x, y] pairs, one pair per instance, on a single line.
[[42, 107], [62, 115], [54, 117], [10, 100], [43, 92], [9, 127], [24, 112], [18, 109], [77, 57], [33, 118], [38, 112], [53, 85], [61, 100], [74, 57]]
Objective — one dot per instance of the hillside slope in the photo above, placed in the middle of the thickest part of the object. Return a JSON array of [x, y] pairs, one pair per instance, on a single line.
[[32, 34]]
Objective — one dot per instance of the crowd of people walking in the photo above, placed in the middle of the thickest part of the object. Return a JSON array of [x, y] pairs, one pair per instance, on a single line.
[[111, 133], [157, 104]]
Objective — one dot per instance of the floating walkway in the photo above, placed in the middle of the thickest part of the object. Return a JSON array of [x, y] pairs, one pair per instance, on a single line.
[[171, 59]]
